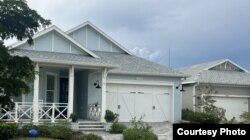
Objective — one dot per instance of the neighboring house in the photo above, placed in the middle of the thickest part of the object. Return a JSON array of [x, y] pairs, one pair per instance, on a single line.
[[86, 72], [231, 82]]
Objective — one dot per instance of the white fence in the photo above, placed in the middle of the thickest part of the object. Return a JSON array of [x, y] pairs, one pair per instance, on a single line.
[[23, 112]]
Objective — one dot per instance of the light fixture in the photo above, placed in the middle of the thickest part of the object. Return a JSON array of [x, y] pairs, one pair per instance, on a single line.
[[96, 84], [182, 90]]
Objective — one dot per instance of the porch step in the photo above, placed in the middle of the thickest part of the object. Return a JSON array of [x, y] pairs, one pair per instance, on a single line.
[[91, 126]]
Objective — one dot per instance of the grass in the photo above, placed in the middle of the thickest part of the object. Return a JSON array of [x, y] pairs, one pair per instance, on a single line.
[[38, 138]]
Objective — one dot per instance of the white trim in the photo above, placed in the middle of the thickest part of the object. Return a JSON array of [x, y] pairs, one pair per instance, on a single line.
[[54, 28], [70, 48], [137, 82], [71, 90], [188, 82], [227, 60], [104, 92], [173, 110], [63, 62], [36, 96], [99, 31], [229, 96], [53, 41], [150, 74], [86, 37]]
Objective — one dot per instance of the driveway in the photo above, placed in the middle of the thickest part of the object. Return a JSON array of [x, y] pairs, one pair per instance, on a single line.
[[162, 130]]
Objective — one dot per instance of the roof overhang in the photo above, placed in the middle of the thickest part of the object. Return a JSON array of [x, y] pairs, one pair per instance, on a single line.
[[150, 74], [70, 63]]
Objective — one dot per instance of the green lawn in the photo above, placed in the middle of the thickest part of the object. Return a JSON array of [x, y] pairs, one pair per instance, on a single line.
[[38, 138]]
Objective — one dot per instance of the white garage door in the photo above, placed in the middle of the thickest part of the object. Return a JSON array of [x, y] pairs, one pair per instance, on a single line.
[[152, 102], [234, 106]]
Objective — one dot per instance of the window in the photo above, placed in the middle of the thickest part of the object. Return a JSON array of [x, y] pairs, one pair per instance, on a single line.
[[50, 88]]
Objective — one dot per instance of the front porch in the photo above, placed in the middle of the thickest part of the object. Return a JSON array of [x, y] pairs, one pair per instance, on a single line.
[[59, 91]]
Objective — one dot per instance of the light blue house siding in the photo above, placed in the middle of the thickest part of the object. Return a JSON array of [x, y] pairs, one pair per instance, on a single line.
[[53, 42], [92, 40]]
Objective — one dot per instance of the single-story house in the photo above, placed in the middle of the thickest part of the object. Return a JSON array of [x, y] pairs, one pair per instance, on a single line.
[[84, 71], [229, 81]]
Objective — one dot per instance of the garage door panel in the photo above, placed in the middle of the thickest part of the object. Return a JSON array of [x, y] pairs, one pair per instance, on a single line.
[[112, 101], [126, 106], [161, 110], [143, 106], [234, 106]]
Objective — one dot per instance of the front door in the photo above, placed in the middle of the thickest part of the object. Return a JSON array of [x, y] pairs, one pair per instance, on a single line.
[[64, 87]]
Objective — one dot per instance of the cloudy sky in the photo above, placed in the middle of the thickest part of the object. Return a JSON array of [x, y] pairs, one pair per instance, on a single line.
[[195, 31]]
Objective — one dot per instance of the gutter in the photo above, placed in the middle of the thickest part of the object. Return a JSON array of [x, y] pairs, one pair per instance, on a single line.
[[72, 63]]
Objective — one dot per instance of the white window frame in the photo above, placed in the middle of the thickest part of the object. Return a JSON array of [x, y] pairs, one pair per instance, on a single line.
[[55, 84]]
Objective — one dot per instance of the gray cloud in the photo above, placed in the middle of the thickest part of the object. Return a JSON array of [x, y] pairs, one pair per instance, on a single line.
[[195, 30]]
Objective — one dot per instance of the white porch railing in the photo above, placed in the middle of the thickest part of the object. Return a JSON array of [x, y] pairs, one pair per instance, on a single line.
[[23, 112], [94, 111], [53, 111]]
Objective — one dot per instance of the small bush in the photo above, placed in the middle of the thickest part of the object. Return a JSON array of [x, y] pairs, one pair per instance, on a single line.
[[60, 132], [200, 117], [117, 128], [90, 137], [245, 117], [43, 130], [140, 124], [7, 130], [136, 134], [110, 116], [23, 132]]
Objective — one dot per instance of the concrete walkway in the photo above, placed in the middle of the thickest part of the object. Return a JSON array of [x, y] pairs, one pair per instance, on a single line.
[[162, 130]]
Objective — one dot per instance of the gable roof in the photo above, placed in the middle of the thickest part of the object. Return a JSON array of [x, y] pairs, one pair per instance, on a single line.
[[99, 31], [201, 73], [58, 30]]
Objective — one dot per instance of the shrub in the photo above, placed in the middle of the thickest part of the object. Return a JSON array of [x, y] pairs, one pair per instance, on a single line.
[[90, 137], [117, 128], [140, 124], [7, 130], [25, 129], [200, 117], [230, 121], [110, 116], [74, 117], [245, 117], [60, 132], [136, 134], [43, 130]]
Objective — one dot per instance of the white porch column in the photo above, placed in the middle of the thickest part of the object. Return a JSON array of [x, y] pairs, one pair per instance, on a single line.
[[71, 91], [36, 95], [104, 79]]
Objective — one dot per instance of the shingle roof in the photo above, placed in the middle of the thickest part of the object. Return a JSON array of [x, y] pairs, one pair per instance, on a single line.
[[63, 58], [122, 63], [200, 73], [136, 65]]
